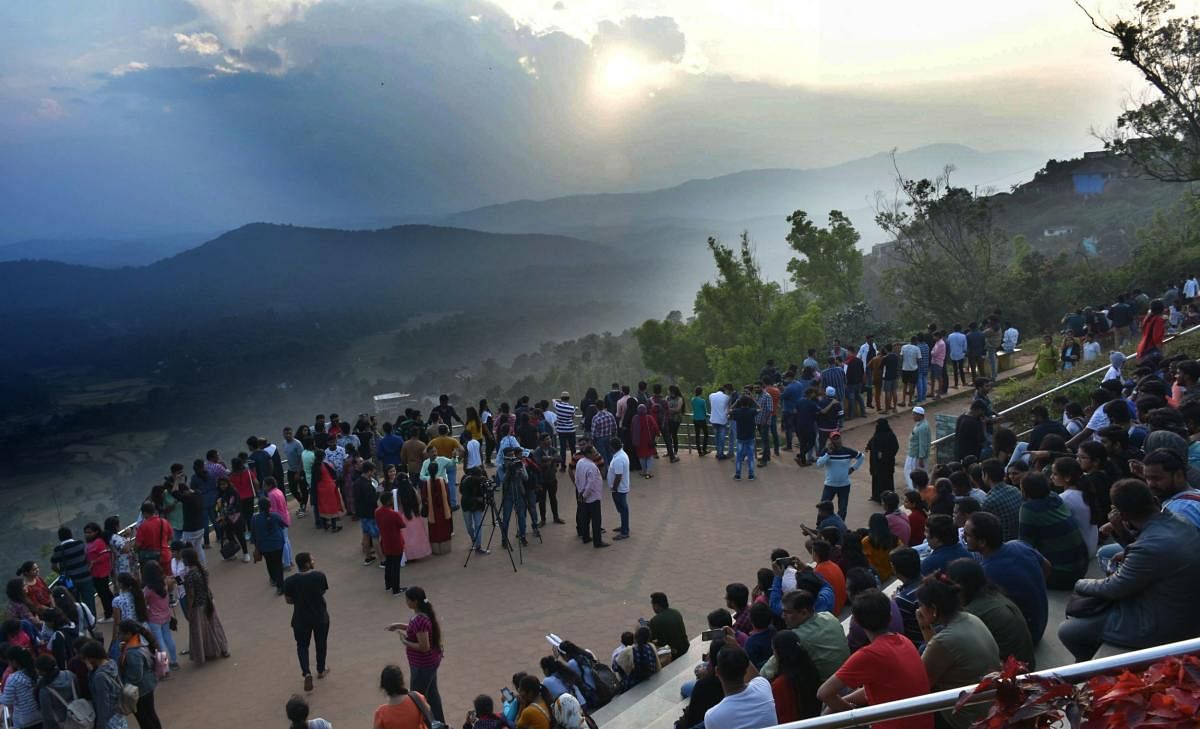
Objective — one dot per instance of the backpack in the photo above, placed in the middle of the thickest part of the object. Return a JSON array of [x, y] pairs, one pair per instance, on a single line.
[[80, 714], [127, 698], [607, 683]]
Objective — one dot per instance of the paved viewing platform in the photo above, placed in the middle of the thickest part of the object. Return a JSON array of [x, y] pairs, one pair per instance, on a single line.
[[694, 529]]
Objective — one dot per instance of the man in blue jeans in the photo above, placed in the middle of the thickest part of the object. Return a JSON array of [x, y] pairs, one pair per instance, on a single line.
[[839, 462], [744, 416], [718, 416], [618, 483]]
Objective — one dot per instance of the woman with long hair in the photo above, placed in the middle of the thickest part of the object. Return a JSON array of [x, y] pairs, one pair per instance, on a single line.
[[76, 612], [330, 506], [158, 608], [55, 688], [297, 715], [959, 649], [918, 515], [122, 548], [129, 604], [560, 679], [625, 429], [206, 637], [883, 448], [19, 607], [1067, 477], [535, 704], [422, 638], [20, 689], [643, 429], [100, 564], [674, 420], [878, 544], [35, 587], [1097, 478], [472, 424], [136, 665], [416, 527], [796, 681], [588, 407], [435, 495], [404, 708]]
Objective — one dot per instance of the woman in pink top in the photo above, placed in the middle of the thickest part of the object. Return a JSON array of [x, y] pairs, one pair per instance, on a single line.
[[100, 562], [279, 506], [422, 639], [158, 608]]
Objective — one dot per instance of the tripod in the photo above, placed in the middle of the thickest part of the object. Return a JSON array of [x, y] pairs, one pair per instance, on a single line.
[[489, 507], [514, 491]]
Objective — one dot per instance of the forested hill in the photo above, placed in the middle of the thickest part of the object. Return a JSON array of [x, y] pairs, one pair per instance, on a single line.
[[288, 271]]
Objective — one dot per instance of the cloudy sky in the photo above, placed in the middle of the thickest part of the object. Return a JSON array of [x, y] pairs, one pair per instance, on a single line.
[[131, 117]]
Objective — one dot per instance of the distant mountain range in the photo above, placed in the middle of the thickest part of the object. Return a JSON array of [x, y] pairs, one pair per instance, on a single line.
[[102, 252]]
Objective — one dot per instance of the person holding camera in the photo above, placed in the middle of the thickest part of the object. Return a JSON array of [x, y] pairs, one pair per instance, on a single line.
[[484, 715], [548, 460], [512, 475]]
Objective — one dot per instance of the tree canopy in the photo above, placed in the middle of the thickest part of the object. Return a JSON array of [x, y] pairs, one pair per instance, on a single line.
[[1161, 133], [831, 265]]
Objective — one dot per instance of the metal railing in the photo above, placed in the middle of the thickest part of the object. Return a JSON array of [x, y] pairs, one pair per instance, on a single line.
[[1037, 398], [941, 700]]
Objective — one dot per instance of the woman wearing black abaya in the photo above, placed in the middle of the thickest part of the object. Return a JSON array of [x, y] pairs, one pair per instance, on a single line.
[[626, 433], [883, 448]]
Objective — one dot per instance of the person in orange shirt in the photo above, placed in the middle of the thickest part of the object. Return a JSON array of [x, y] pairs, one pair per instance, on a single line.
[[404, 709], [822, 552]]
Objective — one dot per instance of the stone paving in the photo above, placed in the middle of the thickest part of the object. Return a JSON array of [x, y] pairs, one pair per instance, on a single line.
[[694, 529]]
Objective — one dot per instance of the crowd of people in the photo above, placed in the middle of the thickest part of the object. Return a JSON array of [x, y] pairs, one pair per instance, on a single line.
[[973, 544]]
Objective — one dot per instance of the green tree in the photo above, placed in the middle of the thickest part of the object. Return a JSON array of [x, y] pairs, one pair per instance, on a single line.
[[1160, 133], [832, 265], [951, 253], [741, 320]]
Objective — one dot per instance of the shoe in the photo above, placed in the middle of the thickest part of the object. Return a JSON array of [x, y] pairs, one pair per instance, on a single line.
[[558, 521], [326, 672], [620, 536], [507, 545], [301, 514], [523, 542], [402, 591], [174, 666], [601, 545], [183, 652], [586, 540], [369, 559], [737, 477], [337, 529], [245, 558], [482, 551], [751, 477], [308, 683], [382, 566]]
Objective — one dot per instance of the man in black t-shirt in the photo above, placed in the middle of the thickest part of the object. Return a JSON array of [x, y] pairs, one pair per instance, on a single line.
[[891, 373], [305, 592], [192, 530]]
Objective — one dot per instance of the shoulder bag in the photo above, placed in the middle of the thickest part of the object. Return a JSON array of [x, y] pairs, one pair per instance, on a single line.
[[80, 714], [424, 709]]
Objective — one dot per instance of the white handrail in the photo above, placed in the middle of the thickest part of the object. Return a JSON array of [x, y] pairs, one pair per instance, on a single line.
[[929, 703], [1068, 383]]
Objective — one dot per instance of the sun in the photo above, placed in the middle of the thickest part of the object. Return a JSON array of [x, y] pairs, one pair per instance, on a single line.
[[620, 74]]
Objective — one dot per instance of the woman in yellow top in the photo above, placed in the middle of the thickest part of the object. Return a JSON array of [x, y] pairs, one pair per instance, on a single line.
[[1046, 362], [878, 545], [535, 708], [473, 425], [401, 710]]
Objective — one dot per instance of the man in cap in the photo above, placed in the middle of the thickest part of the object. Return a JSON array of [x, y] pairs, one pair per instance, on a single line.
[[829, 416], [839, 462], [918, 445]]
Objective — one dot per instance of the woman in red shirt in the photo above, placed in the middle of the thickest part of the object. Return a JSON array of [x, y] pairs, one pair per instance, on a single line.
[[99, 557], [1154, 329], [330, 507], [918, 514], [35, 587], [795, 685]]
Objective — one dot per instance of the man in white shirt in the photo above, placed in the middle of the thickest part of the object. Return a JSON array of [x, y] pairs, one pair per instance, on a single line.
[[1011, 335], [718, 416], [618, 483], [746, 705], [910, 356], [474, 458], [1191, 288], [1091, 348]]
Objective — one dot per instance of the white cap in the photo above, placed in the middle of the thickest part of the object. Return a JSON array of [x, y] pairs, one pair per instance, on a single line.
[[830, 391], [918, 410]]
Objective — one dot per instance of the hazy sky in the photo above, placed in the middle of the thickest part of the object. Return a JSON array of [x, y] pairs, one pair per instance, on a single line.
[[128, 117]]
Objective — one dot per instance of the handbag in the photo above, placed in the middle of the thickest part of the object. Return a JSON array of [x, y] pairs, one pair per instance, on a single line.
[[429, 720], [1086, 606], [80, 714], [257, 555]]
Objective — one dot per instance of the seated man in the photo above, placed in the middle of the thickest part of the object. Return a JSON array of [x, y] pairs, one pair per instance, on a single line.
[[907, 565], [887, 669], [718, 619], [1047, 525], [820, 633], [746, 705], [1014, 566], [666, 627], [758, 645], [942, 536], [1155, 588]]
